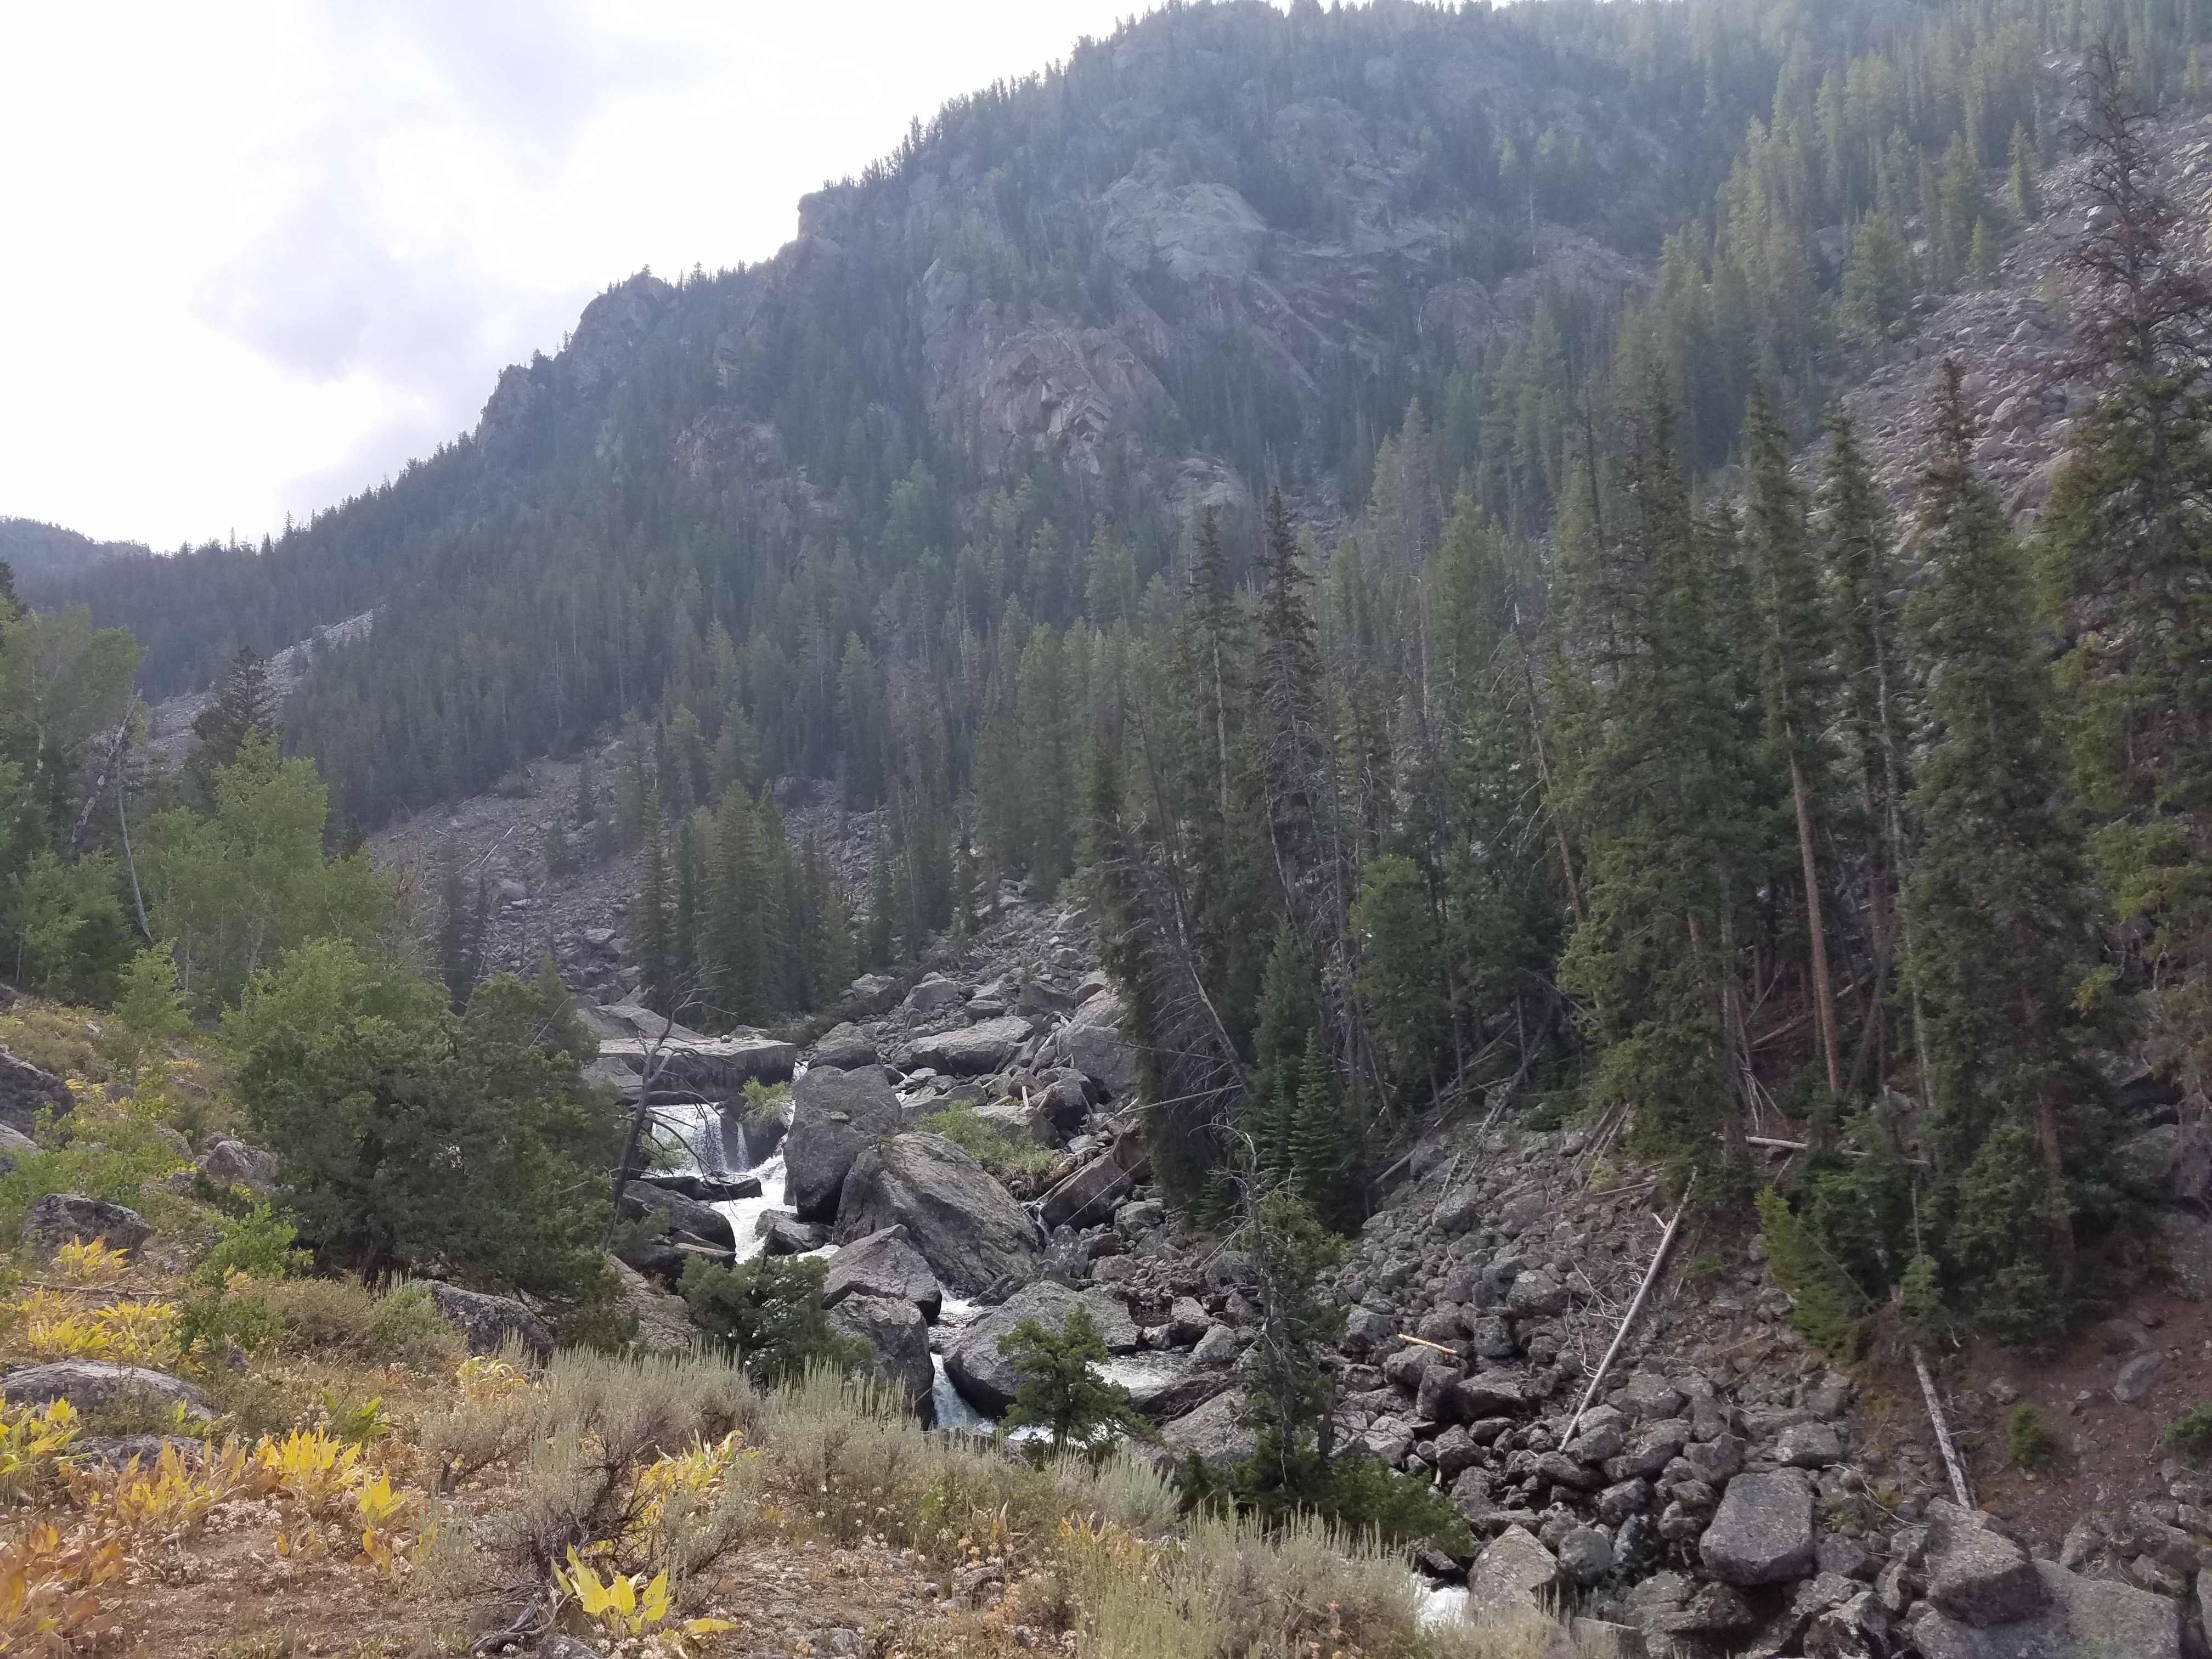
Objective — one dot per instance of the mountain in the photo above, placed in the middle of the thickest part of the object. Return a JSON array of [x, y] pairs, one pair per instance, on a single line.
[[42, 553], [1223, 249]]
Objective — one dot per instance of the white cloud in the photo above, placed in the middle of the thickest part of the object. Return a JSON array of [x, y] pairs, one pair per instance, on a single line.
[[261, 254]]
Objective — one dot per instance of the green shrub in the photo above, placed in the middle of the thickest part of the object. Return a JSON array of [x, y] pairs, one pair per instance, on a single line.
[[343, 1316], [769, 1313], [2027, 1443], [1019, 1164], [211, 1323], [1058, 1390], [2190, 1433], [1553, 1112], [258, 1243], [111, 1158], [1828, 1310]]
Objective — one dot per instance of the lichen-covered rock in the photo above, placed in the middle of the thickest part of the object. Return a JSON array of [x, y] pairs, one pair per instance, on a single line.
[[2083, 1619], [972, 1050], [25, 1091], [1975, 1573], [89, 1384], [883, 1264], [240, 1165], [487, 1322], [1214, 1430], [834, 1116], [1093, 1044], [1763, 1531], [965, 1224], [1515, 1577], [58, 1218], [663, 1322], [893, 1328]]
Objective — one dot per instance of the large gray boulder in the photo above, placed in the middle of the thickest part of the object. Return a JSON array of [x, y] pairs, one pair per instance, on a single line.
[[237, 1164], [1165, 1385], [25, 1091], [1214, 1431], [966, 1226], [89, 1384], [986, 1377], [13, 1143], [1513, 1578], [486, 1323], [1094, 1190], [986, 1046], [2083, 1619], [58, 1218], [883, 1264], [689, 1220], [844, 1047], [893, 1328], [1762, 1532], [1093, 1044], [714, 1067], [663, 1322], [1975, 1573], [834, 1116]]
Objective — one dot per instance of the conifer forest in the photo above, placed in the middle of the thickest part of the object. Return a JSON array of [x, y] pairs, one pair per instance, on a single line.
[[1464, 656]]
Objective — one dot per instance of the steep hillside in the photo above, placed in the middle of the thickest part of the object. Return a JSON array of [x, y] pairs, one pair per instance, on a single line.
[[1221, 250]]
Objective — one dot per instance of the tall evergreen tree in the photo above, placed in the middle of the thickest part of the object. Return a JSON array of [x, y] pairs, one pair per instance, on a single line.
[[649, 920], [245, 704], [1999, 907], [1793, 675]]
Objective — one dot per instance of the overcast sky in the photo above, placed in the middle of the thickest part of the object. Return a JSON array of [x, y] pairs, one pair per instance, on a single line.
[[260, 254]]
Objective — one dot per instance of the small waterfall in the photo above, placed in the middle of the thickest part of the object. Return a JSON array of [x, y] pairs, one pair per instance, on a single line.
[[712, 1159], [744, 1153]]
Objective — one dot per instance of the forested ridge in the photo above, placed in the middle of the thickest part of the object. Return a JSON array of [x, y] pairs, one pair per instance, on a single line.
[[1329, 478]]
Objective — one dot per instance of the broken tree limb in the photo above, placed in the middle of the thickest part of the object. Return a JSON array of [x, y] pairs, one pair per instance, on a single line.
[[1423, 1342], [1952, 1464], [1769, 1140], [1634, 1307]]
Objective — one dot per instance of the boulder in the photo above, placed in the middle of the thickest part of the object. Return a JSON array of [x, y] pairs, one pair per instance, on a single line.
[[2135, 1377], [844, 1049], [934, 993], [712, 1068], [1513, 1578], [25, 1091], [2084, 1619], [1975, 1573], [13, 1143], [486, 1322], [706, 1189], [972, 1050], [883, 1264], [89, 1384], [893, 1328], [1022, 1125], [1214, 1431], [834, 1116], [237, 1164], [782, 1234], [986, 1377], [1165, 1385], [965, 1224], [1096, 1189], [1762, 1532], [57, 1218], [663, 1321], [688, 1219], [1809, 1445], [1093, 1044]]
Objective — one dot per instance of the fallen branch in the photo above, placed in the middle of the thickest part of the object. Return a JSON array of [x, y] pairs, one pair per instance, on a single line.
[[1634, 1307], [1952, 1463], [1423, 1342]]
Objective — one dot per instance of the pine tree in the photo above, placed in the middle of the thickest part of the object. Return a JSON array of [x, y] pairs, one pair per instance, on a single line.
[[560, 859], [2127, 553], [649, 928], [733, 944], [463, 906], [2023, 182], [1854, 534], [243, 705], [1998, 905], [1793, 680], [1290, 734], [1664, 803], [1316, 1135]]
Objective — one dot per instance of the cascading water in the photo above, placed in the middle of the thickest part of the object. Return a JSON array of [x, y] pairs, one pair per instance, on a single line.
[[744, 1153]]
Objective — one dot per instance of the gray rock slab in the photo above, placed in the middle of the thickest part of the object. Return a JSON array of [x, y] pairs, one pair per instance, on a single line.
[[883, 1264], [893, 1328], [89, 1384], [1762, 1532], [834, 1116], [967, 1227]]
